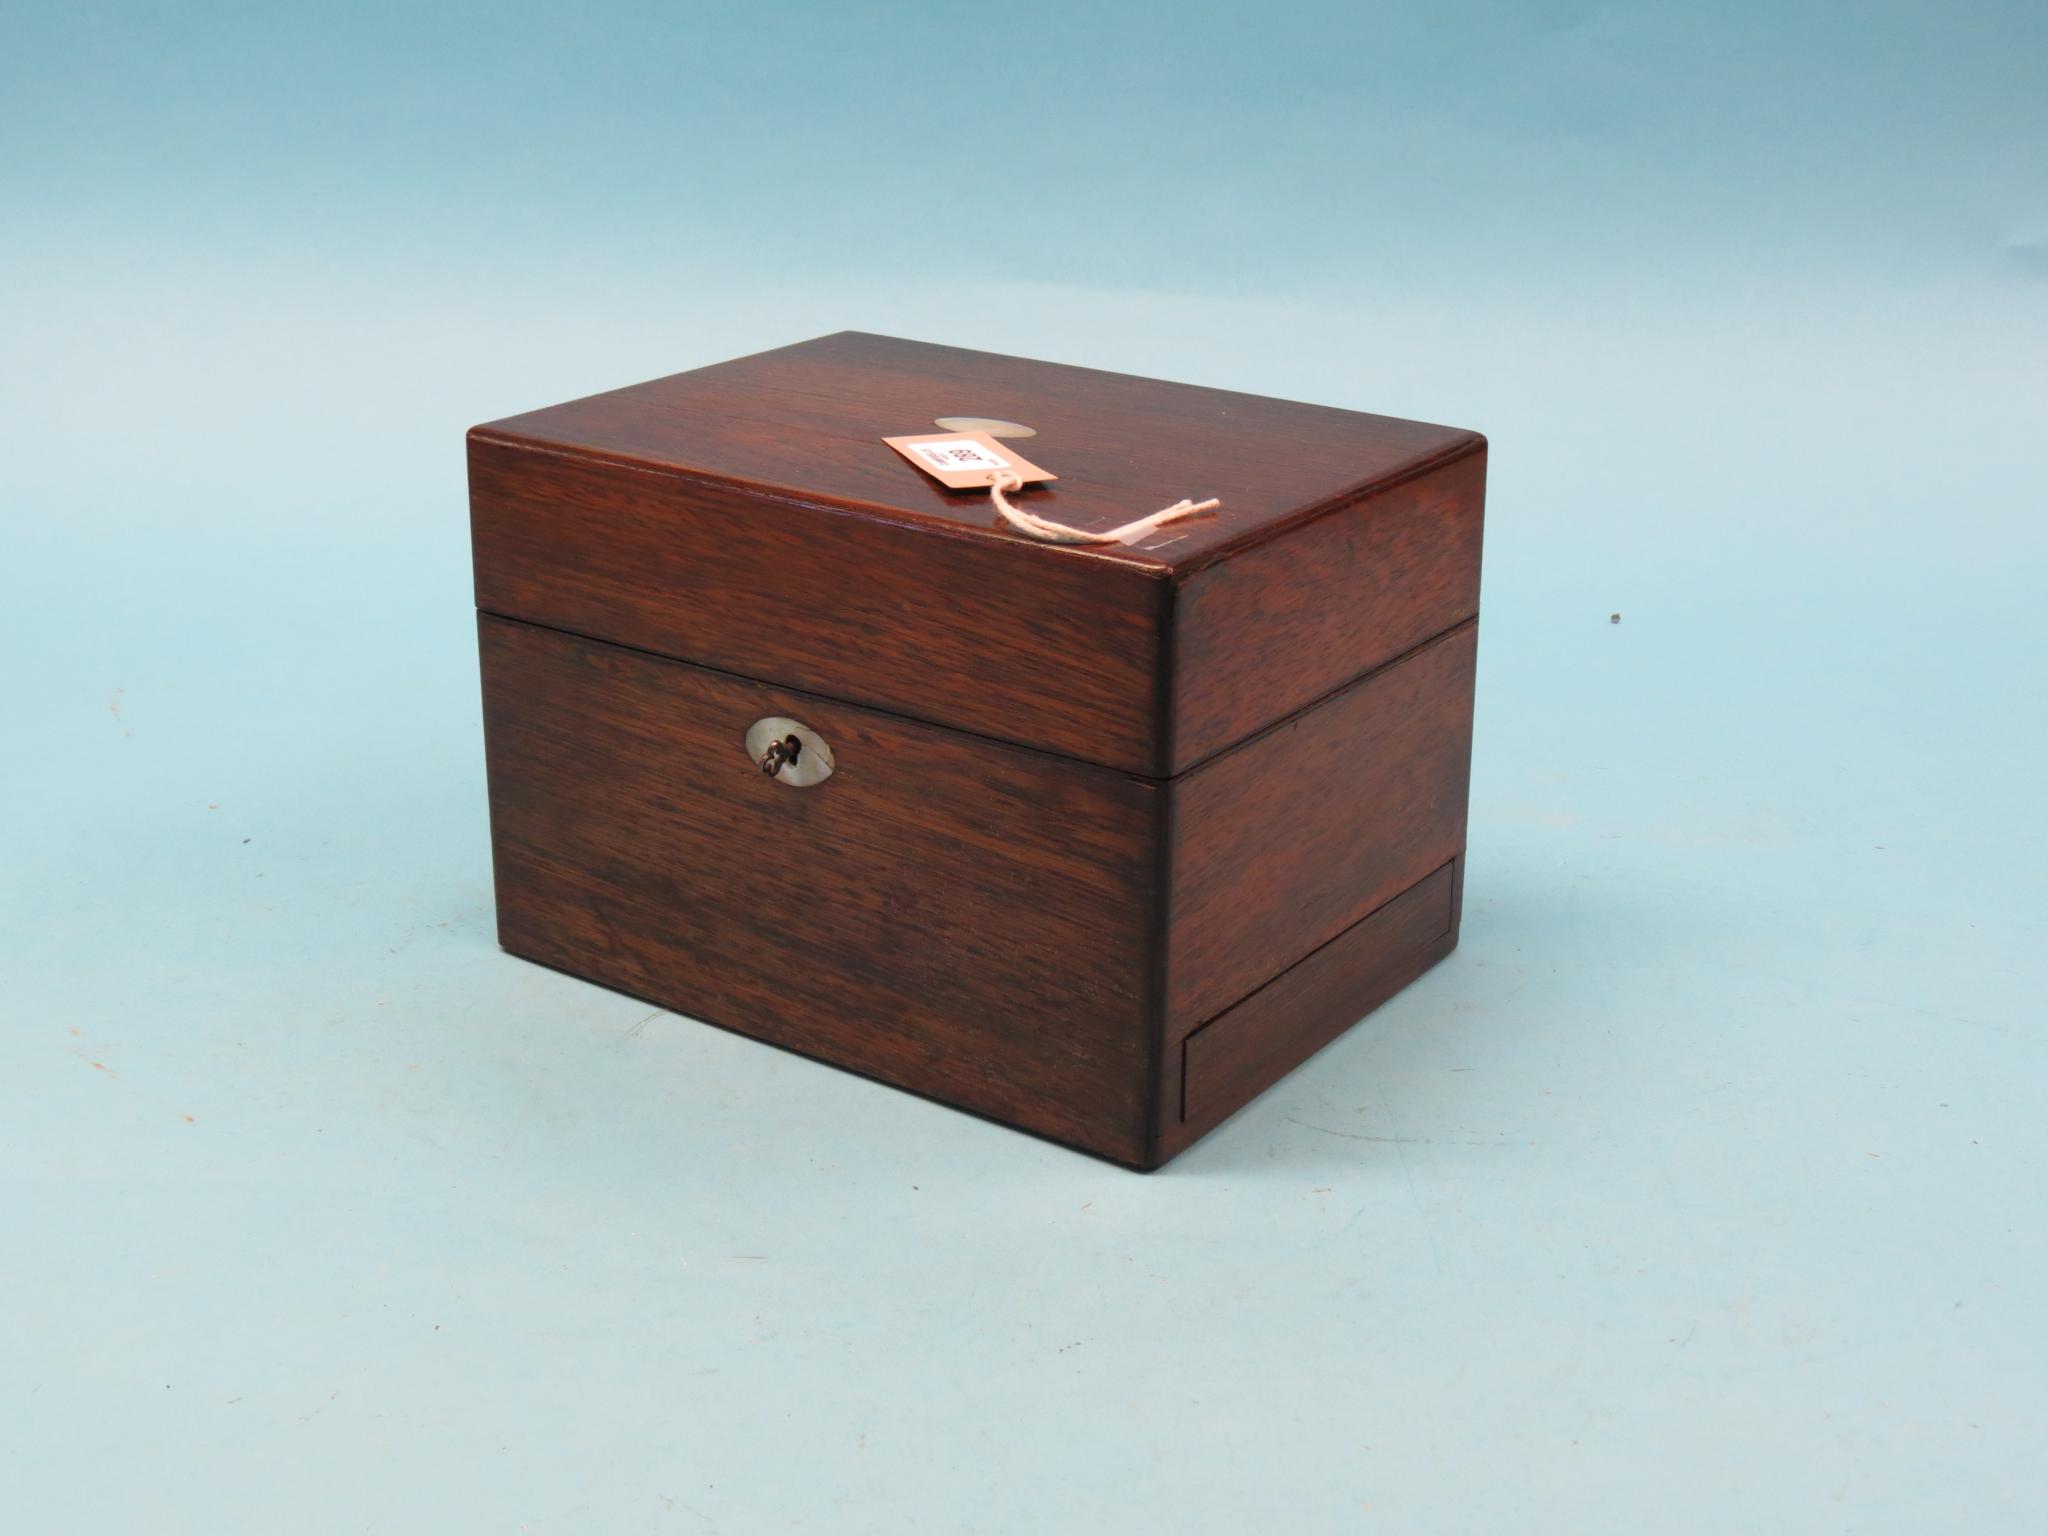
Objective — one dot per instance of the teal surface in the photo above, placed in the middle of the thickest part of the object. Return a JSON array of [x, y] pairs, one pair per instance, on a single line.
[[1702, 1190]]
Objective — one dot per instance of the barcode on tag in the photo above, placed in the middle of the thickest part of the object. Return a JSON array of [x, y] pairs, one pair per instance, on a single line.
[[963, 460], [959, 453]]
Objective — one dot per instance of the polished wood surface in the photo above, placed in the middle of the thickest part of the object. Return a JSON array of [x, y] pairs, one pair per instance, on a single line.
[[1285, 841], [963, 919], [1262, 634], [995, 639], [1025, 936], [804, 424], [1115, 837], [1233, 1058], [747, 517]]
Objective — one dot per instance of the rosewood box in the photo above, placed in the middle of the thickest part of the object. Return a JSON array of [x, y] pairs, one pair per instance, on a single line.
[[1094, 840]]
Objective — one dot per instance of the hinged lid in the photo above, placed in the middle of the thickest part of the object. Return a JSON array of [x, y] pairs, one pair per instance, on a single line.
[[747, 516]]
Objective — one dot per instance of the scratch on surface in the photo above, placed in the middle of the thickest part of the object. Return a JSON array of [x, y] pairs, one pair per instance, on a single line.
[[634, 1032], [307, 1418], [1347, 1135], [1946, 1018], [1678, 1347], [1405, 1141], [1408, 1172]]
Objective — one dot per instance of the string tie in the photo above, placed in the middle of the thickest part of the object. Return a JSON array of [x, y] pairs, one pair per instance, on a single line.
[[1059, 533]]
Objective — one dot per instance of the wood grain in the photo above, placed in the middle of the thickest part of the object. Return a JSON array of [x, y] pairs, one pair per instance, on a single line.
[[992, 638], [1287, 840], [958, 918], [1090, 802], [1262, 634], [806, 422], [747, 517], [1236, 1056]]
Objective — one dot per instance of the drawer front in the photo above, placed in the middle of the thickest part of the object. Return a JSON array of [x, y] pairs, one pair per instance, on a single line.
[[1233, 1058], [954, 916]]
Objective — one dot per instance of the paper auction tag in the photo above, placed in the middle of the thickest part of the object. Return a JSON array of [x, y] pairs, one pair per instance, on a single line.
[[966, 460]]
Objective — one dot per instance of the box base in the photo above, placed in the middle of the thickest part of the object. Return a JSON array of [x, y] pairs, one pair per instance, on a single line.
[[1227, 1062]]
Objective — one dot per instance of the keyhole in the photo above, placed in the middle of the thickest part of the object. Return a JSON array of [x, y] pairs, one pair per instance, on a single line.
[[788, 752]]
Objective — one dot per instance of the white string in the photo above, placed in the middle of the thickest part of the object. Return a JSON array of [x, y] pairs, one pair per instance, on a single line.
[[1059, 533]]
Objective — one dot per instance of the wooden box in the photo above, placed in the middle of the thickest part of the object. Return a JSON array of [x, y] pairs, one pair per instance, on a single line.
[[1113, 837]]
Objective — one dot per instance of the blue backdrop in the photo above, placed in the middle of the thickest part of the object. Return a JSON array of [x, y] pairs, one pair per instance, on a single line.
[[1700, 1191]]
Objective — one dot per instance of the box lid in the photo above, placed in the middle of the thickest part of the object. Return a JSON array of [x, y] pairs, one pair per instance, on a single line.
[[748, 516]]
